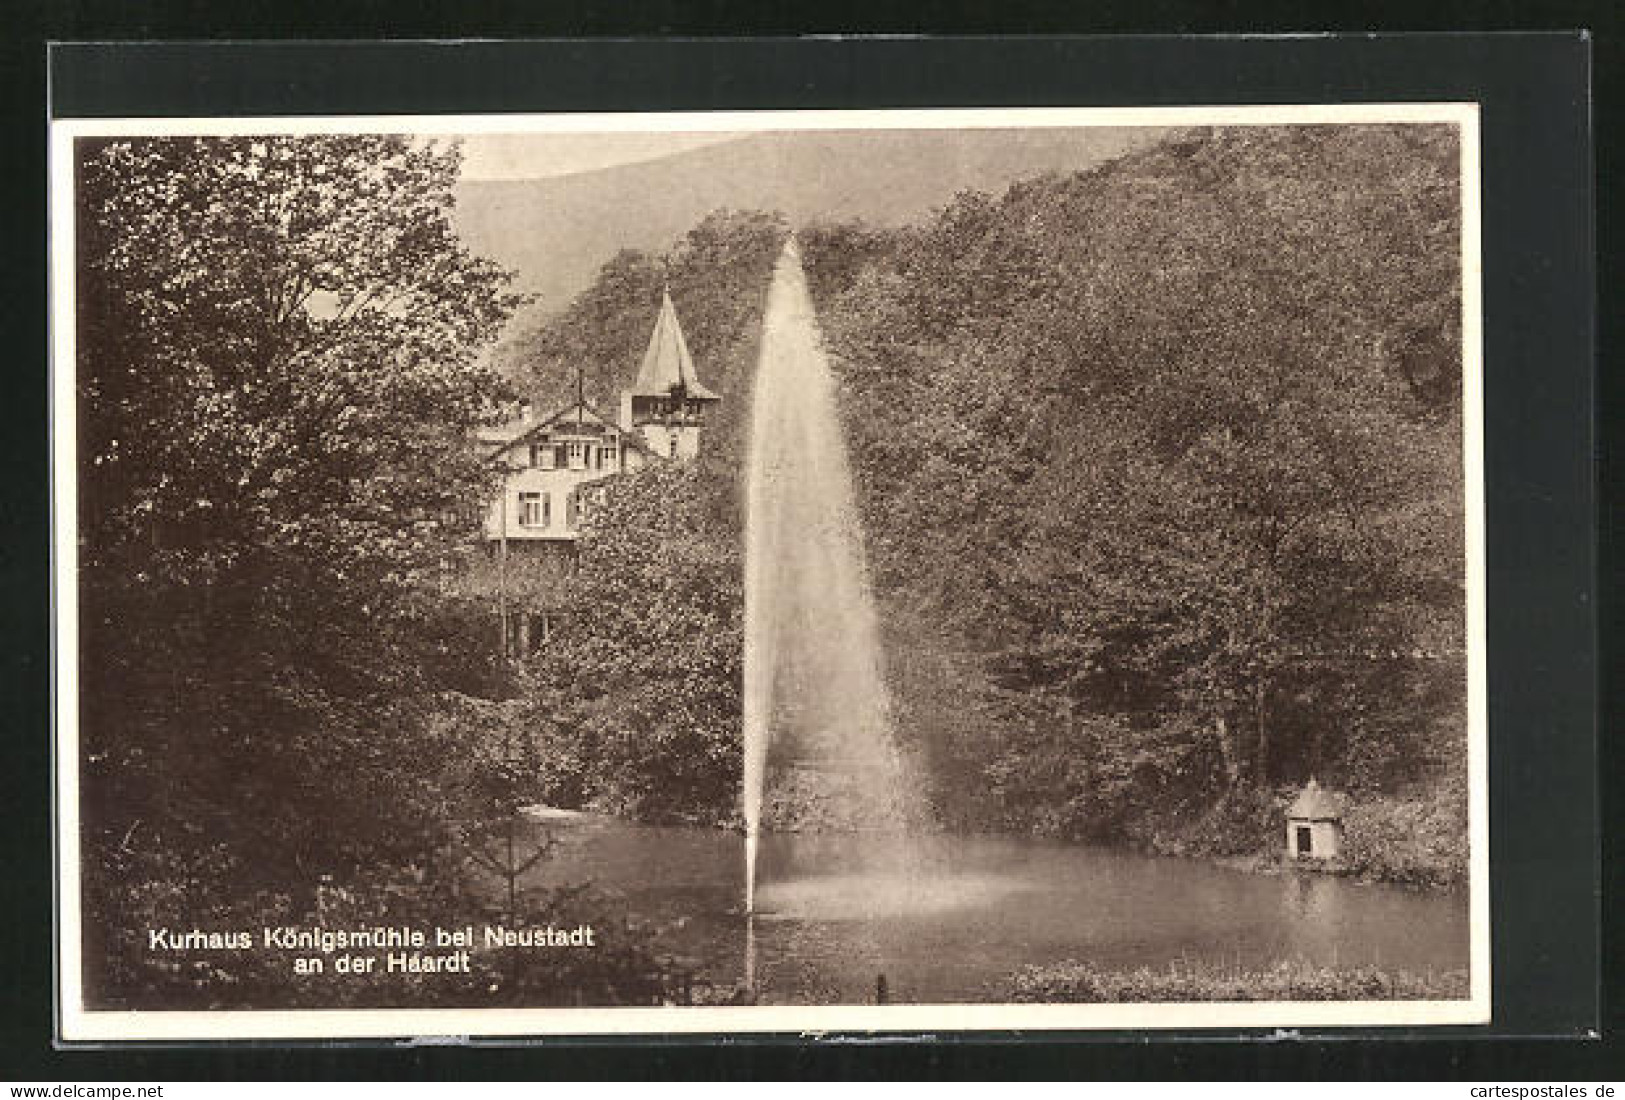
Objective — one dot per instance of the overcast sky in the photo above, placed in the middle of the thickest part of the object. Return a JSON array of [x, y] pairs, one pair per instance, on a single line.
[[537, 156]]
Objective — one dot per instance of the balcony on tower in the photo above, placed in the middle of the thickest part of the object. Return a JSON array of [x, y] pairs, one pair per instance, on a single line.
[[668, 404]]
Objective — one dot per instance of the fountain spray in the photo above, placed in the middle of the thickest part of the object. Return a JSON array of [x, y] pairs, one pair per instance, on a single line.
[[813, 681]]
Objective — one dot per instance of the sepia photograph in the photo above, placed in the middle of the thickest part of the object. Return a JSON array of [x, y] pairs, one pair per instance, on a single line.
[[769, 572]]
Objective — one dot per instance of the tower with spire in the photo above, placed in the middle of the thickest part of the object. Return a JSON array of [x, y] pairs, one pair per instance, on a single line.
[[553, 466], [667, 405], [554, 470]]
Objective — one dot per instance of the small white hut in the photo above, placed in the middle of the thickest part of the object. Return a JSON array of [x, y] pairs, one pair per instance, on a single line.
[[1314, 824]]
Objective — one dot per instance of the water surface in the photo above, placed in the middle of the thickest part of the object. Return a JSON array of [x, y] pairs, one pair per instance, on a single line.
[[947, 918]]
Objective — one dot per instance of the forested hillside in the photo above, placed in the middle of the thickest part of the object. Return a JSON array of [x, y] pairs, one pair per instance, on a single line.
[[557, 231], [1160, 469], [1160, 474]]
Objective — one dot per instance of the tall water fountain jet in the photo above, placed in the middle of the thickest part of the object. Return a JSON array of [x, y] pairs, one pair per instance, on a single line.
[[815, 699]]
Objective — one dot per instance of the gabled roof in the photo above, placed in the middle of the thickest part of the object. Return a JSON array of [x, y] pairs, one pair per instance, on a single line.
[[667, 363], [575, 414], [1315, 804], [571, 415]]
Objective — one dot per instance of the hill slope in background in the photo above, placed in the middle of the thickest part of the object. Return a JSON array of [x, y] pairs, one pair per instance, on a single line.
[[557, 232]]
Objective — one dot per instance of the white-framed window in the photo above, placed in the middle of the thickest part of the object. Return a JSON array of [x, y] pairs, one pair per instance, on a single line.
[[533, 509], [609, 454], [541, 455], [577, 453]]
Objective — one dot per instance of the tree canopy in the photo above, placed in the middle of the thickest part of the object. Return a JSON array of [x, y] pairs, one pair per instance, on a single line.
[[277, 375], [1174, 444]]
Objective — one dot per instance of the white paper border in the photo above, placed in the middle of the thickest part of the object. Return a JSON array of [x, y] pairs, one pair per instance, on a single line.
[[79, 1025]]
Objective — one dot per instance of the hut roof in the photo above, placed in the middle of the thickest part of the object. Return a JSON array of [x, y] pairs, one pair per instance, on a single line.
[[1314, 803]]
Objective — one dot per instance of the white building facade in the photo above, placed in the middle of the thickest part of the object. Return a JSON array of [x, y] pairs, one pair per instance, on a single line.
[[550, 465]]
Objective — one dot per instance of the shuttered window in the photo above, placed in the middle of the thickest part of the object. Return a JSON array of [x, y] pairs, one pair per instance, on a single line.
[[533, 509]]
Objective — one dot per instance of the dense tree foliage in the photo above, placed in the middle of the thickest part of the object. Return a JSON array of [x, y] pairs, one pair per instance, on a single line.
[[1169, 451], [277, 369], [636, 700]]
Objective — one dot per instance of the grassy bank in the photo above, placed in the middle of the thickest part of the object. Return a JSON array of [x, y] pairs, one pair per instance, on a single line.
[[1420, 841], [1418, 838], [1298, 980]]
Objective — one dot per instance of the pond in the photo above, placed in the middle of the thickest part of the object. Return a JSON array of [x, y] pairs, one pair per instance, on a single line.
[[946, 918]]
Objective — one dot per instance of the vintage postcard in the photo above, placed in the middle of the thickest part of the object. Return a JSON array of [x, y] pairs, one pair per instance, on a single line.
[[769, 572]]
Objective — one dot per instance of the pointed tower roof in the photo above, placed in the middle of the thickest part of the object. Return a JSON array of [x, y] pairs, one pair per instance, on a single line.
[[666, 363]]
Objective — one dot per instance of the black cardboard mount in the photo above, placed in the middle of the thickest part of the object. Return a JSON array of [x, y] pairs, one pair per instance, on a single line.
[[1539, 319]]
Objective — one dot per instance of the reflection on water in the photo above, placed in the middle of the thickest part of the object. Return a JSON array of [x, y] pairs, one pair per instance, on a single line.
[[876, 895], [947, 918]]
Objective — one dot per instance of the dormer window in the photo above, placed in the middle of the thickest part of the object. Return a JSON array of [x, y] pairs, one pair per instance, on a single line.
[[608, 455], [577, 452], [541, 456]]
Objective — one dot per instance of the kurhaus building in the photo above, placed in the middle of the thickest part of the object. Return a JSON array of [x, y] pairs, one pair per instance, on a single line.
[[552, 464]]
